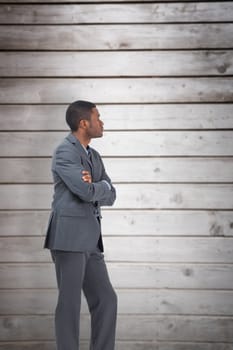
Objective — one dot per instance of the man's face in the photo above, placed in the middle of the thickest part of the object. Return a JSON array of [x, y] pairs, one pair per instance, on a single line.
[[95, 125]]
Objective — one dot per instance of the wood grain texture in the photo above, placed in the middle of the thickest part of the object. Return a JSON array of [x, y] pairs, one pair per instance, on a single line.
[[122, 345], [122, 117], [124, 144], [134, 196], [139, 328], [117, 37], [131, 223], [114, 64], [164, 87], [84, 1], [116, 13], [169, 249], [127, 275], [123, 90], [139, 249], [175, 170], [131, 301]]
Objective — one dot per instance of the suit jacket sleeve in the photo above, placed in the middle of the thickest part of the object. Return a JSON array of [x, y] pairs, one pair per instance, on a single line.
[[111, 199], [68, 166]]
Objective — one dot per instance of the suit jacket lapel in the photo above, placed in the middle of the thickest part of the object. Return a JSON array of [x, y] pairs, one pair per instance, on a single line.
[[80, 148]]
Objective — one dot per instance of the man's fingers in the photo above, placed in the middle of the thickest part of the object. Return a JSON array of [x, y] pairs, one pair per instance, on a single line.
[[86, 176]]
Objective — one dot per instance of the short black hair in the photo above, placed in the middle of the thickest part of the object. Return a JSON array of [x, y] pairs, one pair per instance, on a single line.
[[77, 111]]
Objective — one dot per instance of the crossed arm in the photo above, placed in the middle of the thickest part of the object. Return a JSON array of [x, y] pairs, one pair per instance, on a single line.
[[79, 181]]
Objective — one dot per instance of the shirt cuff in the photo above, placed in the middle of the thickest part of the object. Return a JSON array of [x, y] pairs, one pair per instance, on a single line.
[[108, 184]]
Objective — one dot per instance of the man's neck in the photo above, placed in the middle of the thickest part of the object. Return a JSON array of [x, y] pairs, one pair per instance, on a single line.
[[82, 139]]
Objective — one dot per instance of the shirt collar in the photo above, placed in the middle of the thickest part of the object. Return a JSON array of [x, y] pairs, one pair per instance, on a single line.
[[86, 149]]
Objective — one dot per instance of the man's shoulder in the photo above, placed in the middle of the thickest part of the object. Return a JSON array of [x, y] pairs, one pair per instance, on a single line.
[[66, 146]]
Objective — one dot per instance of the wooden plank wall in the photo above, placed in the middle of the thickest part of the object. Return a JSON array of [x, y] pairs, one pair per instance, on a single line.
[[162, 76]]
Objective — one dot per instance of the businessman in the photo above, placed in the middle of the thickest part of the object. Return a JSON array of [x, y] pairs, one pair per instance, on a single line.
[[81, 187]]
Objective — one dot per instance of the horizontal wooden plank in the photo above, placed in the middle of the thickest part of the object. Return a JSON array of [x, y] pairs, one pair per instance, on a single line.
[[125, 63], [116, 13], [117, 37], [138, 249], [168, 249], [151, 116], [130, 196], [127, 275], [173, 328], [84, 1], [177, 302], [123, 90], [177, 143], [131, 223], [38, 170], [122, 345], [176, 328], [124, 143], [175, 196]]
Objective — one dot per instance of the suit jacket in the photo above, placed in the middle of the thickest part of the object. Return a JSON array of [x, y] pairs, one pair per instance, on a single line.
[[74, 223]]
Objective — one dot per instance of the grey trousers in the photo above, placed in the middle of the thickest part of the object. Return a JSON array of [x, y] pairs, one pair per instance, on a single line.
[[85, 271]]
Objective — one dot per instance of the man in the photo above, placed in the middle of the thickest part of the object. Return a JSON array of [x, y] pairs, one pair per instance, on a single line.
[[81, 186]]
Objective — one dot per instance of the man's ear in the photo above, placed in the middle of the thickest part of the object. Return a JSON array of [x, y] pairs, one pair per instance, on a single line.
[[83, 124]]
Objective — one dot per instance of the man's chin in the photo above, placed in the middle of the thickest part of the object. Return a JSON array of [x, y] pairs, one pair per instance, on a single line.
[[97, 136]]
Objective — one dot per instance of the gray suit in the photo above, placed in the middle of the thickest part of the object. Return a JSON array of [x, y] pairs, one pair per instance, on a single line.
[[74, 238], [74, 223]]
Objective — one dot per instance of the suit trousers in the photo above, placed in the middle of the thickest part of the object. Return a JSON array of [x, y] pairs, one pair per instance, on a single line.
[[77, 271]]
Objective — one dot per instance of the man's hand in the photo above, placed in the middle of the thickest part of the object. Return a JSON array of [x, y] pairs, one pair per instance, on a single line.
[[86, 176]]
